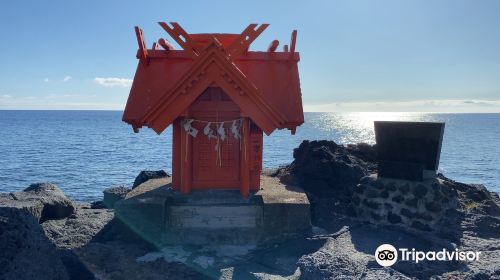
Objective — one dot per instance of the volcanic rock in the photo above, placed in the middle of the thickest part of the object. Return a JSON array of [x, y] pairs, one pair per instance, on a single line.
[[147, 174], [25, 252], [112, 195], [44, 201]]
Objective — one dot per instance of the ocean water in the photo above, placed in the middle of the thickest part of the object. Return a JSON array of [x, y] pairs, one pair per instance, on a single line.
[[84, 152]]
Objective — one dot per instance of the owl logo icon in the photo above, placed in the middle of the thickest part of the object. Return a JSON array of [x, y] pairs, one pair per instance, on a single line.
[[386, 255]]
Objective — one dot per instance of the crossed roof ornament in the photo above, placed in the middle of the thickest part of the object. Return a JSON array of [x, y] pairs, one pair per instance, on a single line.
[[229, 77]]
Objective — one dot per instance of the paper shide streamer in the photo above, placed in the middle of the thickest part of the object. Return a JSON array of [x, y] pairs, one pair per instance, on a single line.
[[189, 128], [208, 131], [235, 128], [221, 132]]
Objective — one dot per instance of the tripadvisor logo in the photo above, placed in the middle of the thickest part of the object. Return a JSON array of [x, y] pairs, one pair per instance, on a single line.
[[387, 255]]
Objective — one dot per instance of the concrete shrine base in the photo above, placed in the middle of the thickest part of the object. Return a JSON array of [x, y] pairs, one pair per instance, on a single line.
[[162, 216]]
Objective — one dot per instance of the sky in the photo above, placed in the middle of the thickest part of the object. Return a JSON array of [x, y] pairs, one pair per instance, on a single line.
[[356, 55]]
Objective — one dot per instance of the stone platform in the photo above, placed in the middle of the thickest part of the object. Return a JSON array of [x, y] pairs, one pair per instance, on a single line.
[[163, 216]]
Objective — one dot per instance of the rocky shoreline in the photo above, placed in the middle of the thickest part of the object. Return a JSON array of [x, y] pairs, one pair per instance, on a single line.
[[44, 235]]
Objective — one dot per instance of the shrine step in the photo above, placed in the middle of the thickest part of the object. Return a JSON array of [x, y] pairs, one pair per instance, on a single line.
[[213, 223], [214, 216]]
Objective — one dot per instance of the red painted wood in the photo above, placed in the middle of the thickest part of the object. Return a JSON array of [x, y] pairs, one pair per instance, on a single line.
[[256, 148], [245, 159], [209, 170], [142, 44], [176, 155], [215, 78], [169, 81], [185, 163]]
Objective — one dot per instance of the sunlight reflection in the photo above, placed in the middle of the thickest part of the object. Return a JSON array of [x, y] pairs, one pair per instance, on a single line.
[[358, 127]]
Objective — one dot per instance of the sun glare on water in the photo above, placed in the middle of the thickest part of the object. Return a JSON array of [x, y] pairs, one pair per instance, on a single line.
[[358, 127]]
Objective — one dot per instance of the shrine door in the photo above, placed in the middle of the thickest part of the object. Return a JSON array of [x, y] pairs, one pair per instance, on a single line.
[[215, 168]]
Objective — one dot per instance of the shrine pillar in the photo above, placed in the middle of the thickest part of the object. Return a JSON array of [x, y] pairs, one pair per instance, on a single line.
[[186, 159], [245, 158]]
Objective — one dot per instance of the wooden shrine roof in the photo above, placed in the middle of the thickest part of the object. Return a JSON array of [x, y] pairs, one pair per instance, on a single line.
[[265, 85]]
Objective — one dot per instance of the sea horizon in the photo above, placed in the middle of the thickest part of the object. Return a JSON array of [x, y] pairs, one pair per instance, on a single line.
[[336, 112], [86, 151]]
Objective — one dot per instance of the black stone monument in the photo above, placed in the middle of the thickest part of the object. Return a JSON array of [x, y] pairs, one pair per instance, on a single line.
[[408, 150]]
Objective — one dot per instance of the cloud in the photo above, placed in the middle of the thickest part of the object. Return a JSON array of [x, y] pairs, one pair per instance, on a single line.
[[113, 82], [430, 105], [46, 80], [67, 78], [58, 102], [482, 102]]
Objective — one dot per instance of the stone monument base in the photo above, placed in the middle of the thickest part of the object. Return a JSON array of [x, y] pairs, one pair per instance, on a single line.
[[417, 204]]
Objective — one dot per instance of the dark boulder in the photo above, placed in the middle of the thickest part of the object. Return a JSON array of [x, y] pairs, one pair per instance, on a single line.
[[11, 200], [147, 175], [41, 188], [78, 230], [76, 269], [365, 152], [56, 204], [325, 168], [99, 204], [44, 201], [25, 252], [74, 233], [478, 196], [114, 194]]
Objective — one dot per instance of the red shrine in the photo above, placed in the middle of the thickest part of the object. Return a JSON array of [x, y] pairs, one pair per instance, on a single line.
[[220, 97]]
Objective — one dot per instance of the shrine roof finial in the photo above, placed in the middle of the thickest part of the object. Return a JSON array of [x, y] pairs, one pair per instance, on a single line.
[[264, 84]]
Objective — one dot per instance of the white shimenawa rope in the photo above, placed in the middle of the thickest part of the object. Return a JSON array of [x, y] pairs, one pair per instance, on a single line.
[[220, 133]]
